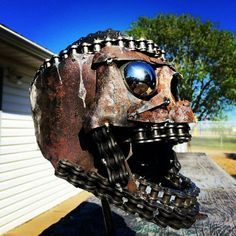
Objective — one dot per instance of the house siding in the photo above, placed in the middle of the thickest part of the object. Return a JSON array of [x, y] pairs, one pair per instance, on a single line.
[[28, 186]]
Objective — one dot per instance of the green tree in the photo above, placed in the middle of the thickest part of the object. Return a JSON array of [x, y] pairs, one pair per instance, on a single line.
[[204, 55]]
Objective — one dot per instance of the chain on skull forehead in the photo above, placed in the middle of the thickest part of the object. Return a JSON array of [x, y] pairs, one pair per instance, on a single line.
[[93, 43], [142, 45]]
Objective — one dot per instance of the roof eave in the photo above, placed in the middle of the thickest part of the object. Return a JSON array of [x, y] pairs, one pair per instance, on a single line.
[[30, 47]]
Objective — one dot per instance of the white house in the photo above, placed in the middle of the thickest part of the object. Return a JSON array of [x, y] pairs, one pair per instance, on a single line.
[[28, 186]]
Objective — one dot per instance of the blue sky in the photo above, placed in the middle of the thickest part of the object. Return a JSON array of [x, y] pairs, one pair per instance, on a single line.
[[54, 24]]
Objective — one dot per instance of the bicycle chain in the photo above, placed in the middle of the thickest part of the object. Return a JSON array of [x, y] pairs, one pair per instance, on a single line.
[[112, 157], [164, 132], [174, 206]]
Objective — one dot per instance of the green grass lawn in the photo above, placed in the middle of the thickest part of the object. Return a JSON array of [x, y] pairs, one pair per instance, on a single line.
[[214, 142]]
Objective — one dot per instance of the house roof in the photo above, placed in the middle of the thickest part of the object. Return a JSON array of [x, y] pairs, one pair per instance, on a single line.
[[15, 47]]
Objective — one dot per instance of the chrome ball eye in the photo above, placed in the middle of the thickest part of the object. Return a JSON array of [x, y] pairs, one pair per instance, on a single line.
[[140, 78]]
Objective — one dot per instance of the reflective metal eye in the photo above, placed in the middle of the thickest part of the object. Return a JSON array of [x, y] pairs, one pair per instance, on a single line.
[[140, 78]]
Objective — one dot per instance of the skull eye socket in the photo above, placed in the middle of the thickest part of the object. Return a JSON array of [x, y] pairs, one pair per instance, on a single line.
[[175, 85], [140, 78]]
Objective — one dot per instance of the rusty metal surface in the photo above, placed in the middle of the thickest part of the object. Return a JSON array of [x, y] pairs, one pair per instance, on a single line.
[[58, 112]]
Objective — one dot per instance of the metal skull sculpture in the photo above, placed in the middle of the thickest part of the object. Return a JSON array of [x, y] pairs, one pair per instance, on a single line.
[[107, 115]]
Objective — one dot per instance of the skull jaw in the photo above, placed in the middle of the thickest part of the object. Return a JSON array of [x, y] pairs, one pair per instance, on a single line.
[[147, 148]]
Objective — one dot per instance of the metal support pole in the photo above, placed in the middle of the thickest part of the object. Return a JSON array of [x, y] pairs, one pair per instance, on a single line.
[[106, 210]]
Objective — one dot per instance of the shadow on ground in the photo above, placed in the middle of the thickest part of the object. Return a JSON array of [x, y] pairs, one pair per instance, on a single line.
[[231, 155], [86, 219]]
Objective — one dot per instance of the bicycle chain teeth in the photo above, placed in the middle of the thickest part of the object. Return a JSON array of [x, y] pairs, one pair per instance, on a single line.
[[165, 132], [175, 207], [114, 159]]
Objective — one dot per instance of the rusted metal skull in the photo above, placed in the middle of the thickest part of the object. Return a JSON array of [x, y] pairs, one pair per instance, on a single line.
[[107, 115]]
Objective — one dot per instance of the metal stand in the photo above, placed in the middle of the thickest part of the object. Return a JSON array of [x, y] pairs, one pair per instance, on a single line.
[[106, 210]]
